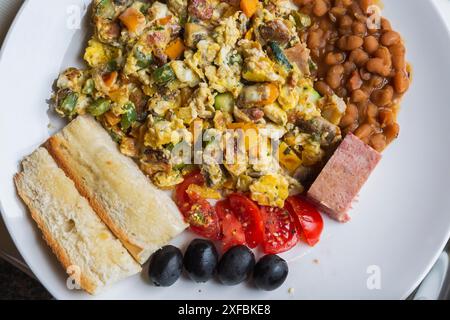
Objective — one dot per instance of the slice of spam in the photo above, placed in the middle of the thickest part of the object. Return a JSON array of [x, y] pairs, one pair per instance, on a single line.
[[342, 178]]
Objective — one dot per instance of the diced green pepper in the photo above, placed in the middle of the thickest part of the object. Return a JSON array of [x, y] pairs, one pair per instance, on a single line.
[[143, 61], [279, 56], [164, 74], [105, 9], [88, 87], [68, 104], [301, 20], [129, 116], [112, 66], [99, 107], [144, 8], [224, 102]]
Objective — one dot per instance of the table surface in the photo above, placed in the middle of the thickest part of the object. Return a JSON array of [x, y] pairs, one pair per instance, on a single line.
[[20, 284]]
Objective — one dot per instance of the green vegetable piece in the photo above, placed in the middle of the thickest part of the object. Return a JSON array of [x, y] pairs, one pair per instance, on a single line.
[[164, 74], [144, 8], [67, 107], [89, 87], [129, 117], [301, 20], [224, 102], [112, 66], [106, 9], [143, 61], [279, 56], [99, 107]]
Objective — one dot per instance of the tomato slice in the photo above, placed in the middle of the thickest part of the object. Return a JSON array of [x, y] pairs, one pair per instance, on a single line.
[[232, 230], [250, 217], [308, 219], [197, 211], [182, 199], [280, 230]]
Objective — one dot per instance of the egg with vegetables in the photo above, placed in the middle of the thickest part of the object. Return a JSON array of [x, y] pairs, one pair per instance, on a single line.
[[160, 76]]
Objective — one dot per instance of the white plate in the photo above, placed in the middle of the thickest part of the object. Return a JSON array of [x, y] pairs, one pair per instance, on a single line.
[[400, 224]]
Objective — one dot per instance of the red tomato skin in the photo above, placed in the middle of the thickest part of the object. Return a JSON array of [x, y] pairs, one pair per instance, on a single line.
[[232, 230], [250, 217], [197, 211], [278, 221], [182, 199], [308, 219]]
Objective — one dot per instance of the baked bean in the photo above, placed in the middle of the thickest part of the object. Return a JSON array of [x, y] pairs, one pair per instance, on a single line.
[[365, 75], [359, 28], [372, 112], [377, 82], [315, 39], [386, 117], [354, 82], [345, 22], [336, 12], [365, 4], [390, 38], [401, 82], [323, 88], [398, 56], [348, 43], [359, 57], [349, 67], [378, 142], [371, 44], [391, 132], [333, 58], [384, 54], [359, 96], [364, 131], [383, 97], [334, 76], [321, 7], [350, 117], [376, 65], [385, 24]]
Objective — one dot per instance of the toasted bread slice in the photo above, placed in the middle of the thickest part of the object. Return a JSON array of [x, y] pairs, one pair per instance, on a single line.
[[79, 239], [143, 217]]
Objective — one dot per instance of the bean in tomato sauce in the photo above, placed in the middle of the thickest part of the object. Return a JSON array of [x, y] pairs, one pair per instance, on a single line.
[[366, 66]]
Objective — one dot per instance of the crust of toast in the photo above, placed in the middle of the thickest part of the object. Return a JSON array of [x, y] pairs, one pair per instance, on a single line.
[[54, 145], [75, 153], [57, 250], [53, 201]]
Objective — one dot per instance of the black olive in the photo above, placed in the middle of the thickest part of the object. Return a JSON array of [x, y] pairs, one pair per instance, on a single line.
[[166, 266], [236, 265], [200, 260], [270, 272]]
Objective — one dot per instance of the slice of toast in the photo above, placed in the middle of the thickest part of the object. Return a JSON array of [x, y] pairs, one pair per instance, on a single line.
[[80, 240], [143, 217]]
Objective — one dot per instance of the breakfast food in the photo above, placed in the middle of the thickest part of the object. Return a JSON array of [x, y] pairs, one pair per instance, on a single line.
[[343, 177], [141, 216], [80, 240], [275, 109], [360, 58]]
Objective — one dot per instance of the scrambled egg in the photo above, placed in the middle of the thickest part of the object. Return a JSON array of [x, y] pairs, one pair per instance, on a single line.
[[156, 70]]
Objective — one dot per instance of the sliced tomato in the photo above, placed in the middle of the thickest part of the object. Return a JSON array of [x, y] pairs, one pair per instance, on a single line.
[[203, 219], [308, 219], [280, 230], [197, 211], [182, 199], [250, 217], [232, 231]]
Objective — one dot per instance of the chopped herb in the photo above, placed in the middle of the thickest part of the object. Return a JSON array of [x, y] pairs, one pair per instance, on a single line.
[[129, 117]]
